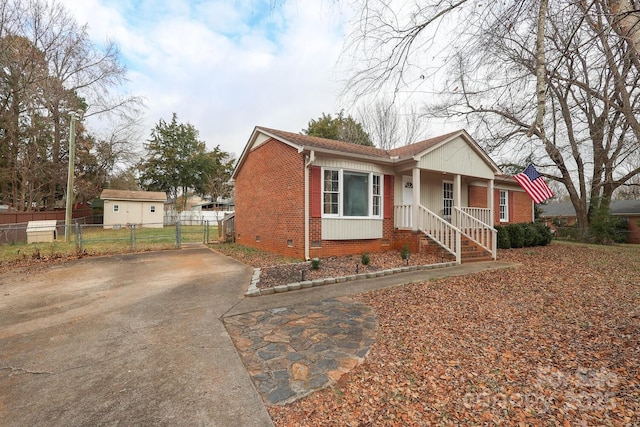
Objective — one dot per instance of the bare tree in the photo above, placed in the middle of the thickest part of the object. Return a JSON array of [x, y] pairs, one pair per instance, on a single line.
[[389, 128], [572, 84], [56, 70]]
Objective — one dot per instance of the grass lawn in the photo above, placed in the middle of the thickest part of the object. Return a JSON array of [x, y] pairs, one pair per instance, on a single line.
[[552, 342]]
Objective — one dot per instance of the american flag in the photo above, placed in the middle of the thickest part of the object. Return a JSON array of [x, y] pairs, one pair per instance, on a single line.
[[534, 185]]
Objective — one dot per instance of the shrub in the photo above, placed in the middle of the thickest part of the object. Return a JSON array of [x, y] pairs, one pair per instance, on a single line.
[[503, 237], [531, 234], [516, 235], [405, 252], [605, 228], [315, 263], [365, 259], [544, 234]]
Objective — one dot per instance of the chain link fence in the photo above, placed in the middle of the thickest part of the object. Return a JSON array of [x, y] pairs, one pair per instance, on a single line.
[[95, 239]]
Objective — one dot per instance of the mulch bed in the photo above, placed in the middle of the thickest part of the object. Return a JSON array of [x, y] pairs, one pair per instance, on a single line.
[[338, 267]]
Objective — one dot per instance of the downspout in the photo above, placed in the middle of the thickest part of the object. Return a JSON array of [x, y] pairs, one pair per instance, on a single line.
[[309, 159]]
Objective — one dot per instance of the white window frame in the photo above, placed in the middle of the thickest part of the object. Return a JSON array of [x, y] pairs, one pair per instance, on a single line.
[[116, 208], [371, 196], [152, 208], [503, 205]]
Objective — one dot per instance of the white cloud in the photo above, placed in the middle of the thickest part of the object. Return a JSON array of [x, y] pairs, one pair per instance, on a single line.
[[225, 65]]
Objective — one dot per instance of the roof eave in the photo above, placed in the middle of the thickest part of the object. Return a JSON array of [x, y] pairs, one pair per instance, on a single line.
[[318, 150]]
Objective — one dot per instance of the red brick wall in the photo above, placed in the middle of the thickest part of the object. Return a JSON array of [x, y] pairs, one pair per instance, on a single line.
[[270, 200], [634, 230], [477, 196], [270, 205], [349, 247], [520, 207], [407, 237], [519, 204]]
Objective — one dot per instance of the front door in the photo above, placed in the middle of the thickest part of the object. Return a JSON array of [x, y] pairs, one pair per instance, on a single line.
[[407, 190]]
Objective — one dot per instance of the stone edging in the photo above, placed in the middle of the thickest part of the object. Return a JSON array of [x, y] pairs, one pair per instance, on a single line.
[[255, 291]]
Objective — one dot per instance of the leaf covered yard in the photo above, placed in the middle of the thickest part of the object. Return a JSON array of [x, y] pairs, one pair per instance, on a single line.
[[555, 341]]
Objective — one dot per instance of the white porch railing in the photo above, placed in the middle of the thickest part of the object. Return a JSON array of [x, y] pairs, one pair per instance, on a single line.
[[403, 216], [475, 229], [481, 214], [440, 231]]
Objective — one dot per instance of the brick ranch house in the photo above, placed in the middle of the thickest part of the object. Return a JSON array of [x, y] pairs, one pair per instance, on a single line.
[[307, 197], [565, 214]]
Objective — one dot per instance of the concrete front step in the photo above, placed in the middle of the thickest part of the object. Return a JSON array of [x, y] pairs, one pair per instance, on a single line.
[[471, 251]]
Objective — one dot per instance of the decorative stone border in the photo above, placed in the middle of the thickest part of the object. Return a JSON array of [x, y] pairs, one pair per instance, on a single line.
[[255, 291]]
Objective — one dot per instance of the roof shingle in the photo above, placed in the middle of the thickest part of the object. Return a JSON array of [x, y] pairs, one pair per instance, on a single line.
[[328, 144]]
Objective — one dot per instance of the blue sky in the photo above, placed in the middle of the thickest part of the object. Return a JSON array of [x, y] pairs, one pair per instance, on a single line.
[[225, 66]]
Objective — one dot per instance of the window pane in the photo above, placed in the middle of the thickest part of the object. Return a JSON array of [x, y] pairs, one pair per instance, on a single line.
[[503, 206], [377, 195], [330, 196], [356, 194], [447, 199], [331, 203]]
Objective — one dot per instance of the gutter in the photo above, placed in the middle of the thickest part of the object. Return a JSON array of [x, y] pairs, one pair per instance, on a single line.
[[309, 159]]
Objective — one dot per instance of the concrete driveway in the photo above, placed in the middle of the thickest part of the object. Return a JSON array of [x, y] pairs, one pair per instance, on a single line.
[[131, 339]]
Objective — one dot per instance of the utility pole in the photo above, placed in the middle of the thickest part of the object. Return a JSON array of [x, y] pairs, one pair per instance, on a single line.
[[72, 161]]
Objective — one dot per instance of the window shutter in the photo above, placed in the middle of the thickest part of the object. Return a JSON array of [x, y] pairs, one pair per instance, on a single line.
[[316, 192], [388, 196], [511, 196]]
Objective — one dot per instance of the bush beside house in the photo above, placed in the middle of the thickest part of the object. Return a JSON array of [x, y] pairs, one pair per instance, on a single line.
[[523, 235]]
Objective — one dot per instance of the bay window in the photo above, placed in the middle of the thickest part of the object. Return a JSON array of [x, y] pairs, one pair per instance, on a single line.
[[351, 194]]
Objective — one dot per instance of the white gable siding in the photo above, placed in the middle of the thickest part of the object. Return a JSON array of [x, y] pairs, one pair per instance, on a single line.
[[260, 139], [352, 165], [457, 157]]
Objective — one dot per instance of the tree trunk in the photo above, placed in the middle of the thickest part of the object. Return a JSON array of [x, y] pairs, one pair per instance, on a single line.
[[626, 22]]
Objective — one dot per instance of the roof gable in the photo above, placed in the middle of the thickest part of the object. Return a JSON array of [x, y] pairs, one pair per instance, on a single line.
[[417, 148]]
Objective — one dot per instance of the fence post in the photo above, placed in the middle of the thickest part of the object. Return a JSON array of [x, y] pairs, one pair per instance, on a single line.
[[81, 238], [76, 238], [178, 243], [132, 238], [206, 232]]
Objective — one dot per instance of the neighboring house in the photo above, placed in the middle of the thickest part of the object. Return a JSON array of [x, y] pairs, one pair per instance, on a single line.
[[221, 205], [307, 197], [140, 208], [565, 214]]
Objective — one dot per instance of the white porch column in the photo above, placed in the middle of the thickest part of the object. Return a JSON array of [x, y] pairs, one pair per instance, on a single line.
[[457, 191], [457, 195], [490, 201], [415, 211]]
